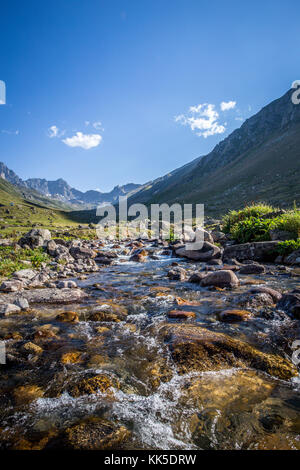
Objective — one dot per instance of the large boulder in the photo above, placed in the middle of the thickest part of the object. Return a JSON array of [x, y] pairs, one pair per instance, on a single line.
[[35, 238], [207, 252], [222, 278], [197, 349], [48, 295], [258, 251]]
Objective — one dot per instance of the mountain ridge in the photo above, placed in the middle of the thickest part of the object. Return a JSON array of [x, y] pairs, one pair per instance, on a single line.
[[60, 190]]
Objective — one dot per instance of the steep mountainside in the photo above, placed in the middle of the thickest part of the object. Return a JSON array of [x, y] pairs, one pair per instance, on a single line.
[[258, 161]]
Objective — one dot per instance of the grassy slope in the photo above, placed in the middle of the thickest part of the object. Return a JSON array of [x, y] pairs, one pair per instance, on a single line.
[[19, 214]]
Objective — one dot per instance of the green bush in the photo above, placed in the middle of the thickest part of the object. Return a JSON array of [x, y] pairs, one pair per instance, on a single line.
[[289, 222], [254, 210], [251, 229], [287, 247], [11, 259], [249, 224]]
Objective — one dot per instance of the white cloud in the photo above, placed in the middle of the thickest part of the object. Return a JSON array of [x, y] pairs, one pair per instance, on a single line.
[[226, 105], [85, 141], [203, 119], [5, 131], [97, 125], [54, 131]]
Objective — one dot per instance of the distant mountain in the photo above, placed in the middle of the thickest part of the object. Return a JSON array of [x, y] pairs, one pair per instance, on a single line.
[[60, 190], [258, 161]]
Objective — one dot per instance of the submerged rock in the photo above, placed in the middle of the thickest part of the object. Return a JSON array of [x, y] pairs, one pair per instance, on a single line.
[[234, 315], [198, 349], [101, 383], [95, 434], [180, 314]]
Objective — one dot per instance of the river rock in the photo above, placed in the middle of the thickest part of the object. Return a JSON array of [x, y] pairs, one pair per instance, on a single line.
[[221, 278], [25, 274], [11, 286], [7, 309], [196, 278], [291, 303], [197, 349], [252, 269], [79, 252], [68, 284], [177, 274], [276, 296], [206, 253]]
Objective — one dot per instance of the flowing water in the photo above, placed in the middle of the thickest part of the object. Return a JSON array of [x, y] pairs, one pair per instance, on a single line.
[[228, 409]]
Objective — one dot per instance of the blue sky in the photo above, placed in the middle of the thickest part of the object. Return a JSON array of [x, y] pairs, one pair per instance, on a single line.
[[127, 78]]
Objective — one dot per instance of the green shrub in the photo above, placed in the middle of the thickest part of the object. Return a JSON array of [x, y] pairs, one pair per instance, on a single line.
[[11, 259], [289, 222], [251, 229], [287, 247], [254, 210]]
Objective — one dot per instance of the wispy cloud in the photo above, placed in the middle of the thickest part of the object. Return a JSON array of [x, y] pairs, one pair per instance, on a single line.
[[9, 132], [54, 131], [226, 105], [202, 119], [85, 141]]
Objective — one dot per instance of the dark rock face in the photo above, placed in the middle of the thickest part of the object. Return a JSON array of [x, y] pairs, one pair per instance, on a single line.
[[198, 349], [257, 251]]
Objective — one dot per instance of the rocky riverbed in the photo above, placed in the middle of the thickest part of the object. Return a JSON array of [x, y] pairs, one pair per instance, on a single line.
[[147, 345]]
